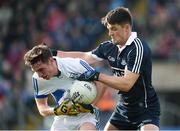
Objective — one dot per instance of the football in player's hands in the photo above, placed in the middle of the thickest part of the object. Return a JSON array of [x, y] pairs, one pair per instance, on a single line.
[[83, 92]]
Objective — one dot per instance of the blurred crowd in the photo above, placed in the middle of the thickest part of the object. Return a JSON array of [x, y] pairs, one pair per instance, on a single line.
[[159, 23], [70, 25]]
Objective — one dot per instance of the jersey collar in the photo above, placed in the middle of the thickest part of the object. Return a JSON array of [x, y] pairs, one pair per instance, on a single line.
[[59, 69], [131, 38], [129, 41]]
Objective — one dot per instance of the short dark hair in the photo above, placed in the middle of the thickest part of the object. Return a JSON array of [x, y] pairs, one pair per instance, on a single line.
[[37, 53], [120, 15]]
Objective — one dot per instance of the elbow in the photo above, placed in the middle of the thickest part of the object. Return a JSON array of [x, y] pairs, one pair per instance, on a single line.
[[127, 87], [43, 113]]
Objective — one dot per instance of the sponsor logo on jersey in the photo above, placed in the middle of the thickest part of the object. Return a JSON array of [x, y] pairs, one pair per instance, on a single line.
[[110, 58], [74, 75]]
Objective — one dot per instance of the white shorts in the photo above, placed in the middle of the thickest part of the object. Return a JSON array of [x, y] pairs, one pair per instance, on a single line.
[[65, 122]]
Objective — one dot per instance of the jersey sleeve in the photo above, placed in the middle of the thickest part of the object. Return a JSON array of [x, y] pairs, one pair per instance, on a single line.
[[37, 90], [42, 87], [135, 58], [80, 66], [74, 67], [100, 52]]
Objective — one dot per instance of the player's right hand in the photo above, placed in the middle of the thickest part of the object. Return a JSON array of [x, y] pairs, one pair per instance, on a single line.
[[66, 108], [90, 75]]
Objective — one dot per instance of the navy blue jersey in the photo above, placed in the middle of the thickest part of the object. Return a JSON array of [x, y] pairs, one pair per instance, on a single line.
[[135, 56]]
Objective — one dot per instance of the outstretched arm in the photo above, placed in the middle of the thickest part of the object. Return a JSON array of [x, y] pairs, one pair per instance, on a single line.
[[124, 83], [73, 54], [77, 54]]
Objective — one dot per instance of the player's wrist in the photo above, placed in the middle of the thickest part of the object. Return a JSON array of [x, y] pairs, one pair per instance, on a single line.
[[96, 76]]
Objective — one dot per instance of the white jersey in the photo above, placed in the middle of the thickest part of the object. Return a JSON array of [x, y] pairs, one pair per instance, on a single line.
[[69, 68]]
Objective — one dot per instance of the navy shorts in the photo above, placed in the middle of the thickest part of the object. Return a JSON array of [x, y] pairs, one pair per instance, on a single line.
[[135, 121]]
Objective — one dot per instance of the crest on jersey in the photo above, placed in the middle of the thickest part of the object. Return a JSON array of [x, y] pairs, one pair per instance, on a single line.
[[123, 62]]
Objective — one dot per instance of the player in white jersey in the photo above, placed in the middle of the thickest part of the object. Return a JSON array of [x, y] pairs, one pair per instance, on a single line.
[[55, 76]]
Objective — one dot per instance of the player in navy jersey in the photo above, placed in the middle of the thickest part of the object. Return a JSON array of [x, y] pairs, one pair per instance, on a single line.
[[54, 76], [130, 59]]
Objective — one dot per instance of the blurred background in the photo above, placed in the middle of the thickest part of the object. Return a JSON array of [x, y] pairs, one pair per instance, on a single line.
[[75, 25]]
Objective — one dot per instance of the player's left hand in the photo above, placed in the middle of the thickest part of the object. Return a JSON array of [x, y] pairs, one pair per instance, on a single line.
[[84, 108], [90, 75], [67, 107]]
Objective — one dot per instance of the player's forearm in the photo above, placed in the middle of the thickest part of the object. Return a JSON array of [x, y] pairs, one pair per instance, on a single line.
[[73, 54], [77, 54], [119, 83]]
